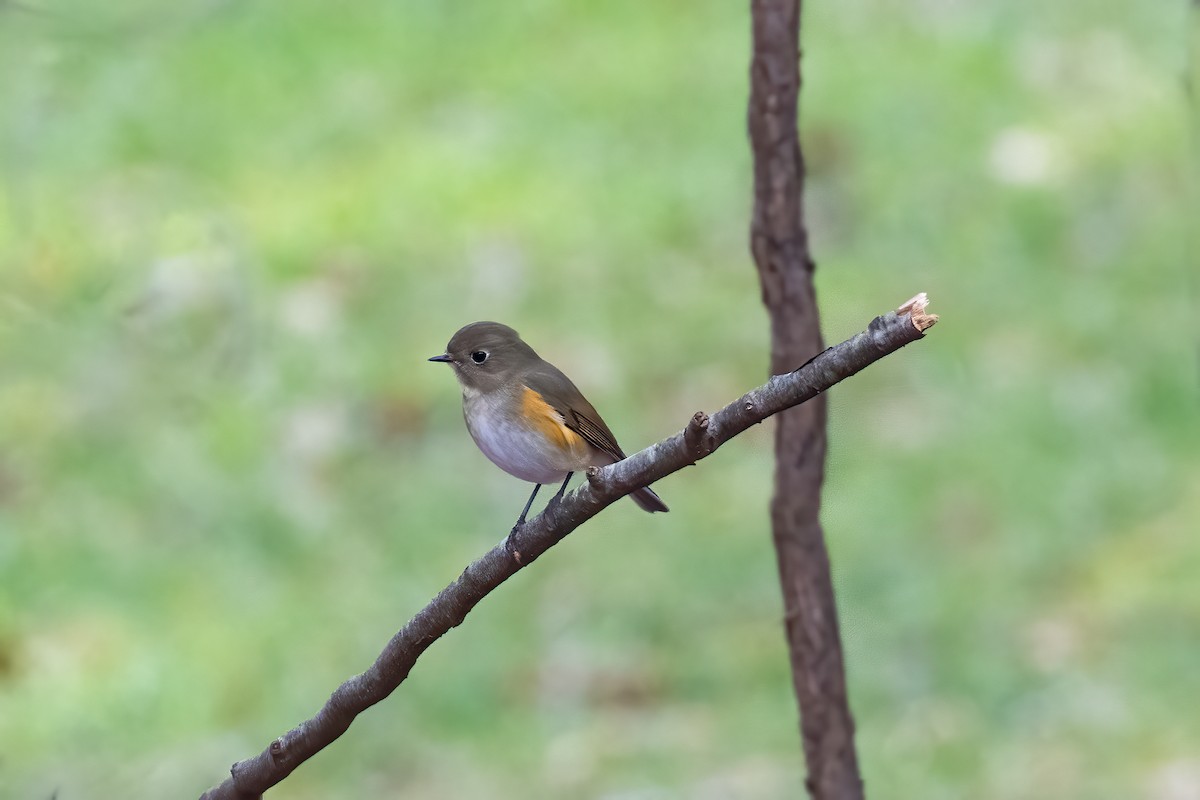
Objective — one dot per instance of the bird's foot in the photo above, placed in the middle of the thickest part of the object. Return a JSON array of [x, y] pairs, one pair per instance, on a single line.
[[562, 490]]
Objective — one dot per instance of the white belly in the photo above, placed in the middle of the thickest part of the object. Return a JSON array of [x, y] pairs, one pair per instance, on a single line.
[[515, 447]]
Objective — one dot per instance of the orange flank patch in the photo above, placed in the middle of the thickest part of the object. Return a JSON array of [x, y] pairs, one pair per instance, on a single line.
[[543, 418]]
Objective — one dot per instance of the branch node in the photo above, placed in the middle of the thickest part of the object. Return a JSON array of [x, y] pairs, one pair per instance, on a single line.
[[697, 437], [278, 748], [593, 477]]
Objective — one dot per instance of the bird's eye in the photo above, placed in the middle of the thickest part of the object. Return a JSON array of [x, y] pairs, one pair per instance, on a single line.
[[479, 356]]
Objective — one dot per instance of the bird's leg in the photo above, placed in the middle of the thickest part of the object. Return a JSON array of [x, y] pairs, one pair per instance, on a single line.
[[521, 519], [508, 540], [524, 511], [563, 488]]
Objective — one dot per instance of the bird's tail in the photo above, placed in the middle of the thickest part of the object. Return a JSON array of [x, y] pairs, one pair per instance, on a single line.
[[647, 500]]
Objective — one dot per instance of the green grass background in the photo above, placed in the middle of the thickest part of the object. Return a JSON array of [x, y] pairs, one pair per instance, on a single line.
[[231, 233]]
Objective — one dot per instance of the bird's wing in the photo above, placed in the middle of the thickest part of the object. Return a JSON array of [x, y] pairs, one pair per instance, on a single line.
[[577, 413]]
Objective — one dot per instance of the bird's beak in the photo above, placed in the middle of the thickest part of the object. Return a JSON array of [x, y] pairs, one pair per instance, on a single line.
[[444, 358]]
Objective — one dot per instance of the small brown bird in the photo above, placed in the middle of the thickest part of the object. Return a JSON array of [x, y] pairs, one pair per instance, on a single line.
[[526, 416]]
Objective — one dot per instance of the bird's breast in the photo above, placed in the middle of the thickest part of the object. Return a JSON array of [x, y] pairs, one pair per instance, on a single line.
[[523, 435]]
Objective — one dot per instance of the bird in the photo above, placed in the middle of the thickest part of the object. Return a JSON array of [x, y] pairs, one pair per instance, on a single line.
[[528, 417]]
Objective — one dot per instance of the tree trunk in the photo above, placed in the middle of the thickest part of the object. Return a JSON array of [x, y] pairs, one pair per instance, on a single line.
[[779, 242]]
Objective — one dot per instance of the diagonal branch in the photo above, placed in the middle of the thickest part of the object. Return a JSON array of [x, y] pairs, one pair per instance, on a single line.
[[703, 434]]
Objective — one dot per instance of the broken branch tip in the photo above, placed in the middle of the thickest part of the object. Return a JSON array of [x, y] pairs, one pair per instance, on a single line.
[[915, 307]]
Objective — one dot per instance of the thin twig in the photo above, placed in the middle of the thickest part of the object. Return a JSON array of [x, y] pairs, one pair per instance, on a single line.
[[703, 435]]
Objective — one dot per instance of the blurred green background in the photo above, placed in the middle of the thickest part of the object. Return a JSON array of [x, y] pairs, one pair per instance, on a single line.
[[232, 232]]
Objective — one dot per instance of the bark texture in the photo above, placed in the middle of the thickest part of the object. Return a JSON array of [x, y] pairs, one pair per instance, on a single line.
[[779, 242], [703, 434]]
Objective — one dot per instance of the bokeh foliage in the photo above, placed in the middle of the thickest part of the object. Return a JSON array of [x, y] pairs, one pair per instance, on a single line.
[[232, 232]]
